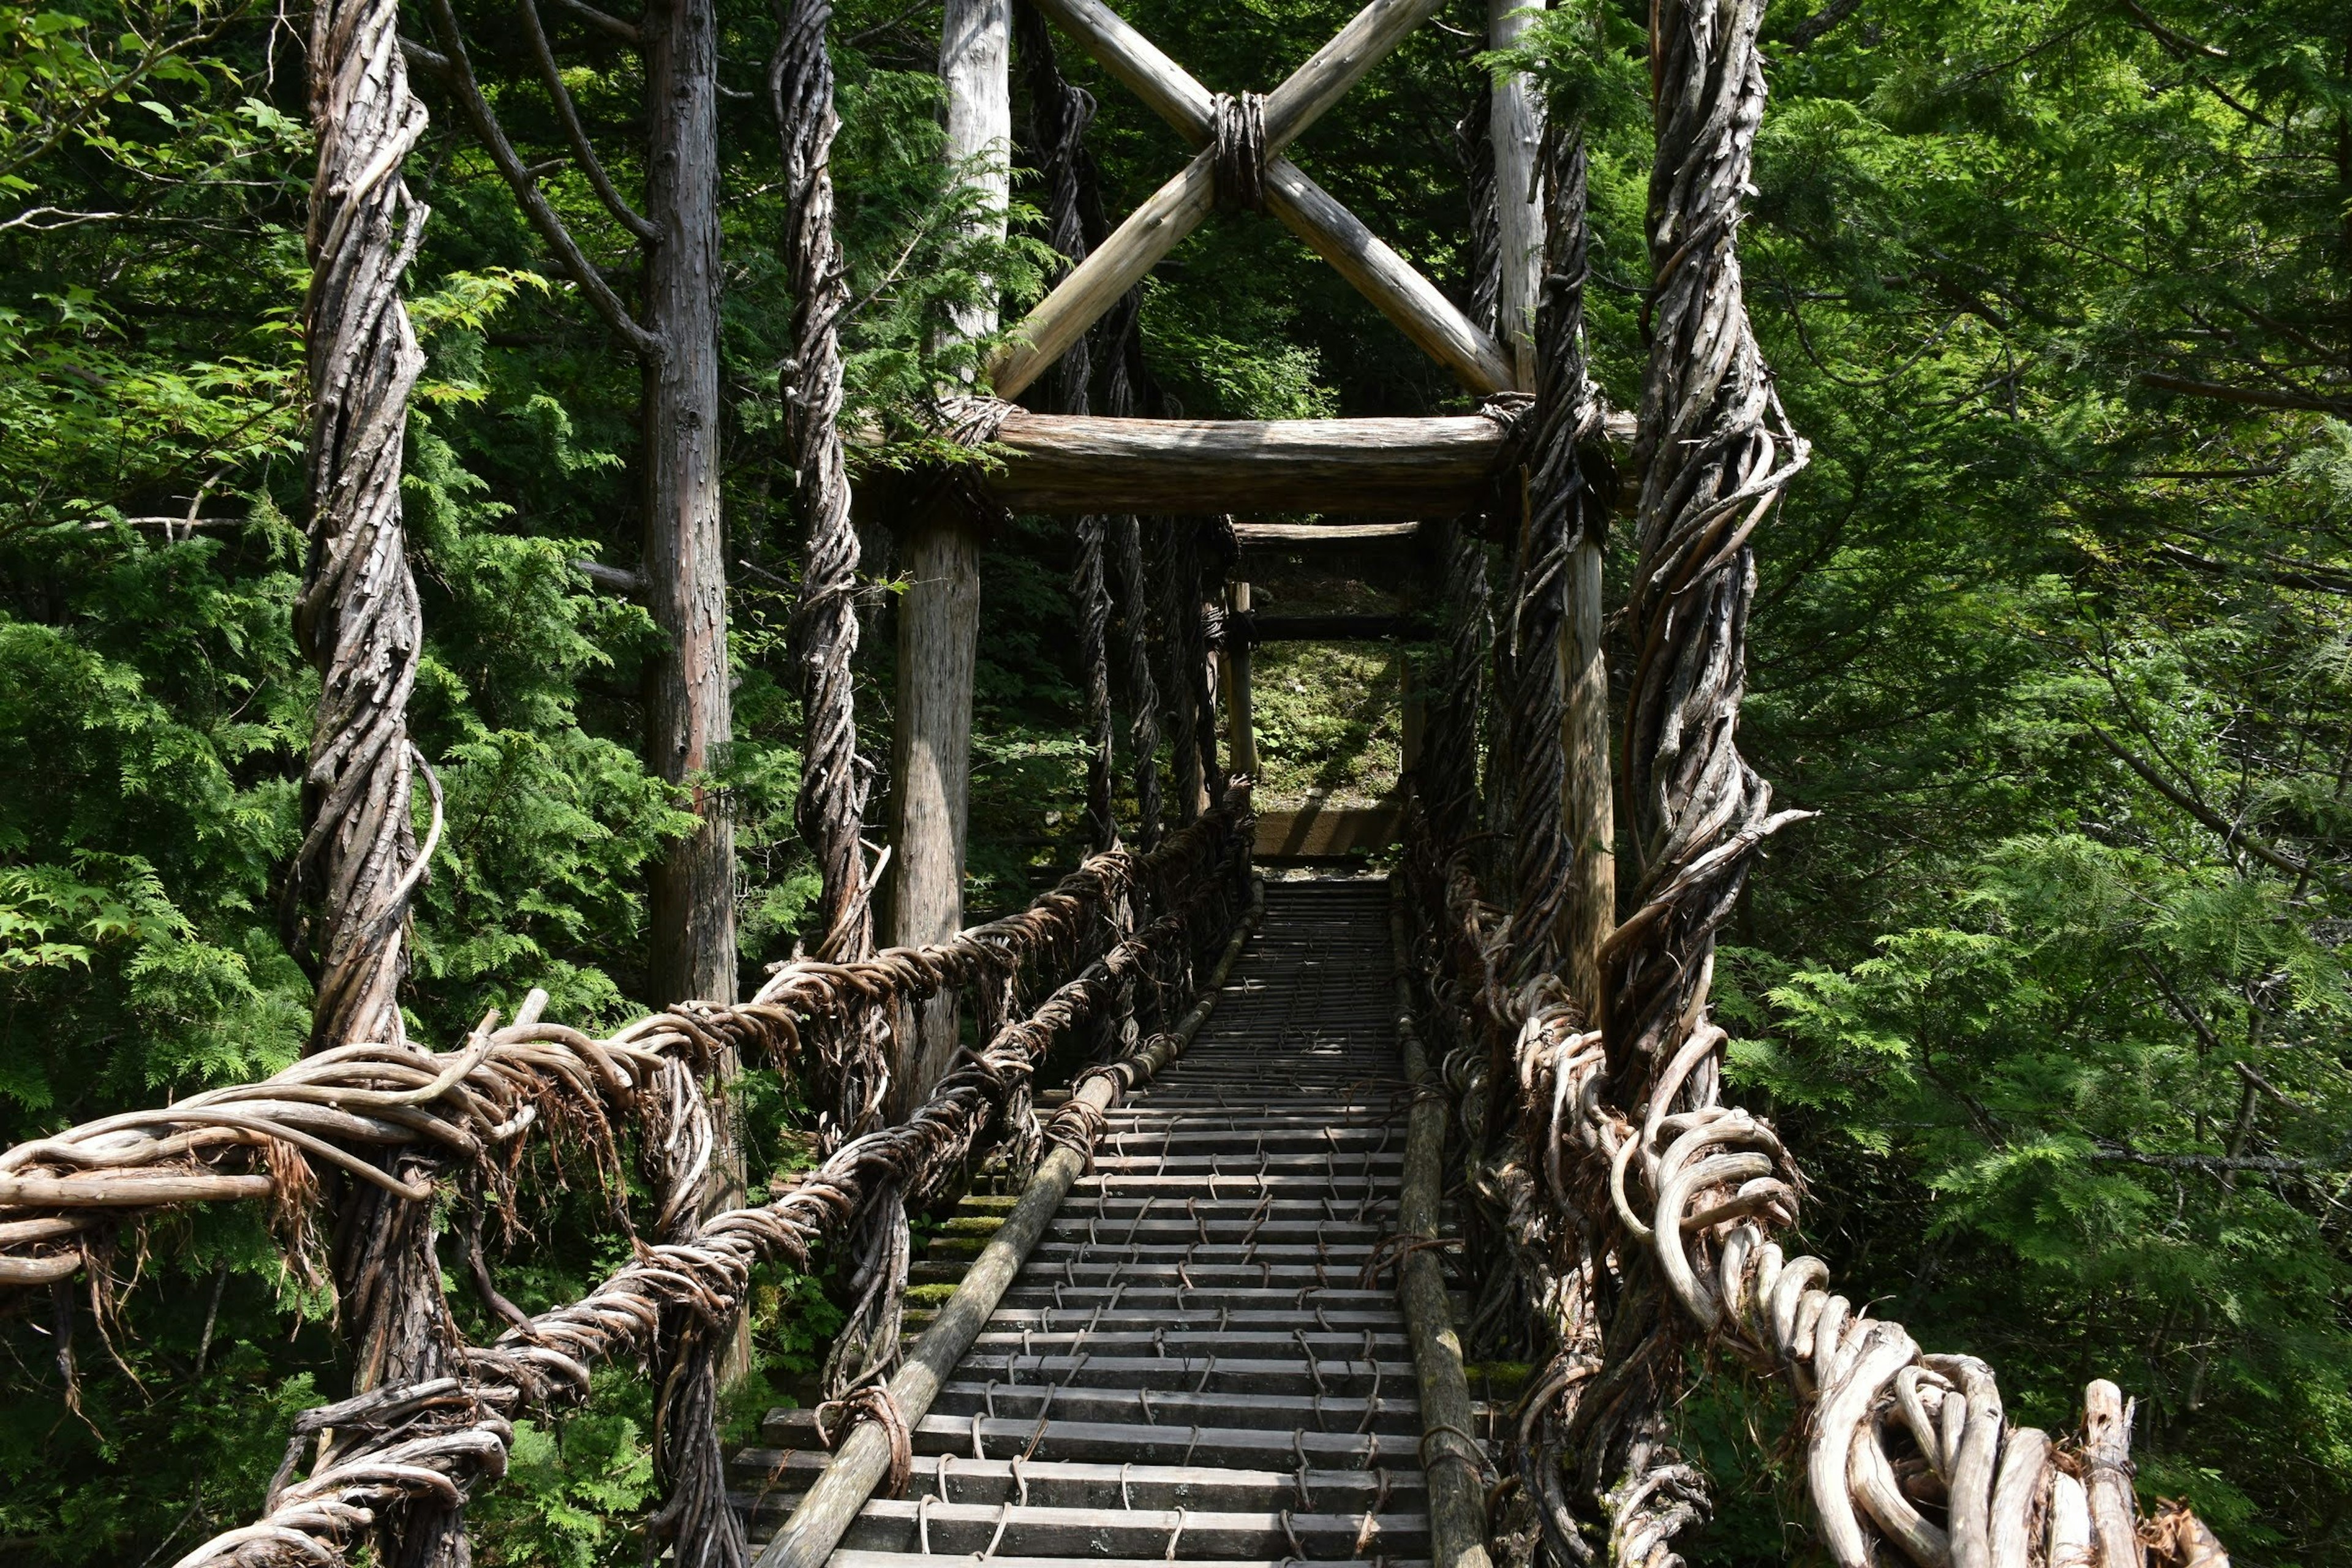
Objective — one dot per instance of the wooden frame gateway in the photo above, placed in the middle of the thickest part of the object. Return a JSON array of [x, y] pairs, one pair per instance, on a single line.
[[1177, 207]]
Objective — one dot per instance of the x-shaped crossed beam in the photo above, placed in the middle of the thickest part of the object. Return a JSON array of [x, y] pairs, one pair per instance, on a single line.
[[1177, 208]]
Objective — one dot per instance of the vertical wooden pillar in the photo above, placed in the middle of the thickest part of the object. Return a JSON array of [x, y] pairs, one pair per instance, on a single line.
[[938, 615], [1241, 739], [975, 66], [1516, 127], [689, 717], [1589, 810]]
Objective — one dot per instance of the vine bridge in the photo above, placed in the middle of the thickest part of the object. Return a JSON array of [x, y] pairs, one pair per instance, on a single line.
[[1302, 1142]]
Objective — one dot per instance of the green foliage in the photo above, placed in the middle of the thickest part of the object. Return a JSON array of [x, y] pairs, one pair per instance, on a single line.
[[2050, 996]]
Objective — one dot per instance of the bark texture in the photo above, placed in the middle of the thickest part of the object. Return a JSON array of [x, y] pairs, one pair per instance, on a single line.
[[1570, 503], [690, 711], [357, 618]]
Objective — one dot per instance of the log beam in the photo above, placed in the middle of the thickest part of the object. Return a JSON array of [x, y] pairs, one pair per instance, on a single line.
[[1241, 741], [1177, 207], [1318, 538], [1073, 465]]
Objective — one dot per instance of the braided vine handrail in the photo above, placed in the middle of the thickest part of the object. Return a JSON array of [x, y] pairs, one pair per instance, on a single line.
[[439, 1438], [472, 1104], [1902, 1443]]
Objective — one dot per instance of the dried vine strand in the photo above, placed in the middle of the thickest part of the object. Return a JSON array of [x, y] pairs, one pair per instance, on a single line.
[[1447, 784], [357, 617], [1059, 114], [1909, 1447], [696, 1519], [358, 621], [1714, 451], [830, 811]]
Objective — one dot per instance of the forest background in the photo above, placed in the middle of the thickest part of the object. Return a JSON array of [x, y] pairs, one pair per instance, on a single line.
[[2051, 995]]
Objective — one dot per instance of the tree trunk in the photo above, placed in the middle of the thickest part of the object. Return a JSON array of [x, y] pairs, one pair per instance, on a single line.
[[688, 714]]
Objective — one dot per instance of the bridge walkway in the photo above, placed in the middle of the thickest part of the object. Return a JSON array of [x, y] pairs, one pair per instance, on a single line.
[[1189, 1367]]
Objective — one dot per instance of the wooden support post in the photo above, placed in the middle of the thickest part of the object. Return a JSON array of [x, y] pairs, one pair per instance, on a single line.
[[938, 615], [1516, 127], [975, 67], [1411, 719], [1588, 804], [1241, 742]]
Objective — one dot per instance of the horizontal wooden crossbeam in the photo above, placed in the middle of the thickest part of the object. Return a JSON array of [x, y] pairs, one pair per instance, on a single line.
[[1322, 538], [1074, 464]]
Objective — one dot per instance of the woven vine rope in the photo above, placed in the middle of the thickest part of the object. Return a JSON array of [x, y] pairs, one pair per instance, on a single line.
[[438, 1438], [343, 1108]]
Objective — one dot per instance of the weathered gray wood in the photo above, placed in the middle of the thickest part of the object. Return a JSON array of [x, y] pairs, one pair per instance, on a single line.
[[1457, 1504], [1075, 465], [1337, 66], [1093, 285], [1390, 282], [1177, 207], [824, 1515], [1241, 740], [104, 1189], [1167, 89], [938, 650], [1515, 124], [2107, 1454], [975, 69], [938, 615], [1588, 803], [1292, 538]]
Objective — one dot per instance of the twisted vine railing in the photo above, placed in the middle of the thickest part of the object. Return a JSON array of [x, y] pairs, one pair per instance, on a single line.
[[429, 1440], [1643, 1214]]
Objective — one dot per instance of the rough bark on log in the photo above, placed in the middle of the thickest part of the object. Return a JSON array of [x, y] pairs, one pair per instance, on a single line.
[[1517, 120], [689, 707], [1571, 507]]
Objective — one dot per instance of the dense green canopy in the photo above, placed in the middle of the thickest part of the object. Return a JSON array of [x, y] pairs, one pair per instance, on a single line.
[[2055, 637]]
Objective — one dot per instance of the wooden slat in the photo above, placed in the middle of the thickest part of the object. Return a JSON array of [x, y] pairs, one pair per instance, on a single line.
[[1073, 464], [1291, 538]]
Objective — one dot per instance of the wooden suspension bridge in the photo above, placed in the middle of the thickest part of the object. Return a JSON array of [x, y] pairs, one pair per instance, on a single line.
[[1325, 1129]]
